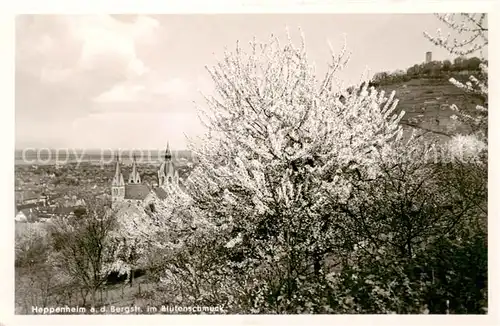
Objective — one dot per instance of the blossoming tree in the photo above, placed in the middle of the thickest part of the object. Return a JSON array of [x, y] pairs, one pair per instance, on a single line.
[[140, 232], [281, 144], [82, 248]]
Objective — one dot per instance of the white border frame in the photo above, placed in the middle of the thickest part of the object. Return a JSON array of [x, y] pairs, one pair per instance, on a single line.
[[7, 57]]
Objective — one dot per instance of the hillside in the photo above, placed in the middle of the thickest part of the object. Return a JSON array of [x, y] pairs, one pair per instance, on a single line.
[[427, 102]]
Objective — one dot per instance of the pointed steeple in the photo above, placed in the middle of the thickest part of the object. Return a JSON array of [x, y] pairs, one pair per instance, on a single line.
[[117, 171], [134, 175], [168, 153], [167, 171], [134, 167], [118, 178]]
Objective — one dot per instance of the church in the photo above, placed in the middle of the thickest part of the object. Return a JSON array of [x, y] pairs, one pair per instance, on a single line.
[[134, 191]]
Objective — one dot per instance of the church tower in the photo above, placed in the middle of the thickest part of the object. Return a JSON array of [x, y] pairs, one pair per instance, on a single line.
[[167, 174], [134, 177], [118, 185]]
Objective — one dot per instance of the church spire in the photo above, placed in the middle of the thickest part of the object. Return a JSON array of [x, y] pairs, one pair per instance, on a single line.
[[118, 185], [167, 173], [118, 178], [134, 167], [168, 153], [117, 170], [134, 175]]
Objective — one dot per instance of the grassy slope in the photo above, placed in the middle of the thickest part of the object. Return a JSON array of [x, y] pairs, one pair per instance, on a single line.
[[427, 102]]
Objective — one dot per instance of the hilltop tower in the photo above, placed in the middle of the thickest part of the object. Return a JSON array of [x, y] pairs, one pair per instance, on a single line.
[[117, 185], [428, 57], [167, 174], [134, 177]]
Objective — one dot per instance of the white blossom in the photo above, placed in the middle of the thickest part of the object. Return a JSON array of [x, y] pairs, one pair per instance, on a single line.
[[466, 148]]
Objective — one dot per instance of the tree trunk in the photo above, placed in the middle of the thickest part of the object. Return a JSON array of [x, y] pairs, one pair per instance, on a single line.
[[84, 297]]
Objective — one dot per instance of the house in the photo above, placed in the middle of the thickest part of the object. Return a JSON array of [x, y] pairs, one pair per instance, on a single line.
[[21, 216], [64, 211], [26, 206], [26, 215], [31, 197]]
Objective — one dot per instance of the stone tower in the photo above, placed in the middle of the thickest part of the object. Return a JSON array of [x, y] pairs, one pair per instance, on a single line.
[[428, 57], [117, 185]]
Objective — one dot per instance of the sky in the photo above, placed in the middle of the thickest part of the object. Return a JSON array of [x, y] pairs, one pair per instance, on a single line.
[[132, 81]]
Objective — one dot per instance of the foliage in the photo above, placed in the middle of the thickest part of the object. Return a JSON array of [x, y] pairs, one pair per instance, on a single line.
[[433, 69], [467, 148], [138, 229], [82, 250], [36, 281], [412, 230], [30, 244]]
